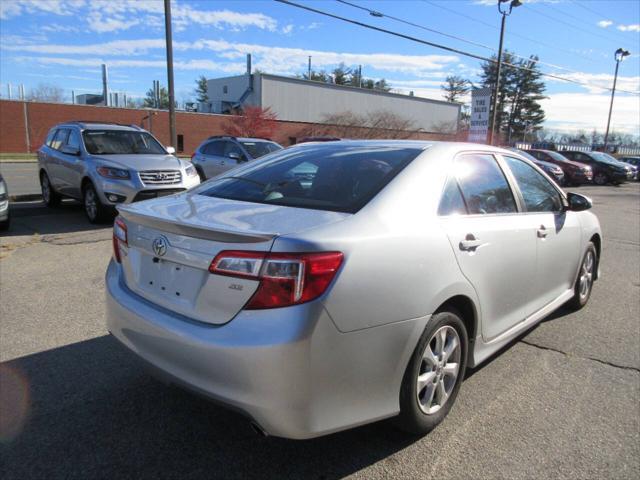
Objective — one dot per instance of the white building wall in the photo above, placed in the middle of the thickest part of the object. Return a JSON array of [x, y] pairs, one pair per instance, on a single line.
[[303, 101]]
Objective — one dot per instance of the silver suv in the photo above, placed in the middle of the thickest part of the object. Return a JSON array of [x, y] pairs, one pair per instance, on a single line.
[[220, 153], [106, 164]]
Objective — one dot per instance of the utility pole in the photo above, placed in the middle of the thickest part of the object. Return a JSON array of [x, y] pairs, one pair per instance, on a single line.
[[173, 138], [309, 69], [496, 91], [619, 56]]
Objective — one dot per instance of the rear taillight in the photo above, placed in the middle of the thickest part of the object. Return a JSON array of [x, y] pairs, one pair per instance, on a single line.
[[119, 237], [285, 278]]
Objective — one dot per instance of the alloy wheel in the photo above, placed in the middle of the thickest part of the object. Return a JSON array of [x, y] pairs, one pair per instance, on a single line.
[[46, 189], [586, 275], [600, 179], [90, 203], [439, 369]]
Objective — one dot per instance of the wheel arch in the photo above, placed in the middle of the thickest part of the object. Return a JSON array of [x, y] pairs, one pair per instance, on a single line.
[[83, 184], [467, 309], [597, 242]]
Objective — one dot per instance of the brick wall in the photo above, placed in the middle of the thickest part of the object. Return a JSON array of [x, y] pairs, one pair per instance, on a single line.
[[194, 127]]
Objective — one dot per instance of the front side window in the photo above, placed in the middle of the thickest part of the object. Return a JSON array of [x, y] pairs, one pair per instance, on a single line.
[[49, 140], [120, 142], [539, 195], [484, 187], [231, 147], [260, 149], [74, 139], [327, 177]]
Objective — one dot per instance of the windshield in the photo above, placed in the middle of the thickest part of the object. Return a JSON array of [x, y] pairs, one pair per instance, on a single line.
[[335, 178], [118, 142], [603, 157], [557, 156], [259, 149]]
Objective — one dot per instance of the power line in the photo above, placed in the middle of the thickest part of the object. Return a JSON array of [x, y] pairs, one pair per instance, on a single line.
[[558, 10], [377, 13], [589, 9], [514, 34], [442, 47]]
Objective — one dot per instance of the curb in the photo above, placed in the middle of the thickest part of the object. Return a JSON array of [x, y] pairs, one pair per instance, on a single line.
[[27, 197]]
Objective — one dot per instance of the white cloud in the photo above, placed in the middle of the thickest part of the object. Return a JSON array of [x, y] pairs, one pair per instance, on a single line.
[[583, 111], [14, 8], [599, 82], [605, 23], [629, 28], [56, 28], [287, 29], [101, 25]]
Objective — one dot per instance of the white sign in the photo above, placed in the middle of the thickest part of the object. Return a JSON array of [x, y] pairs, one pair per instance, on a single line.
[[479, 121]]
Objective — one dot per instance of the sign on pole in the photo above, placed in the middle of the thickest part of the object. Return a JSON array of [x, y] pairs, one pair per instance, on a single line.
[[479, 126]]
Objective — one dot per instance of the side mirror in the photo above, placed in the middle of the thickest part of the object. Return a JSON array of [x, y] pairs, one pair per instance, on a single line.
[[236, 156], [170, 150], [578, 203], [67, 150]]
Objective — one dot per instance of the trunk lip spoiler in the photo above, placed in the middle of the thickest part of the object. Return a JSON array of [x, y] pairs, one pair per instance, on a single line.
[[196, 231]]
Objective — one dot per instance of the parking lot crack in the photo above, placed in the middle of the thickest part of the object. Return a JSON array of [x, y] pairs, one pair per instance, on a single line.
[[593, 359]]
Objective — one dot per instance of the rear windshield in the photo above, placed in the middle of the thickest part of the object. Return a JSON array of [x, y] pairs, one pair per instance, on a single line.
[[118, 142], [259, 149], [327, 177]]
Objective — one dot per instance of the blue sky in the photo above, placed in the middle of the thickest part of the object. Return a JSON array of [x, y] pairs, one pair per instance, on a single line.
[[63, 42]]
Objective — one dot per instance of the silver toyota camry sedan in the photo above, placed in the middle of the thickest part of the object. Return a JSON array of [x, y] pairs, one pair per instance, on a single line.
[[329, 285]]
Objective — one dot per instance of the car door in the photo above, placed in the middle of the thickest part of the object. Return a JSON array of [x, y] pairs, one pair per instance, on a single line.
[[494, 248], [211, 157], [557, 232], [233, 156], [71, 164], [54, 160]]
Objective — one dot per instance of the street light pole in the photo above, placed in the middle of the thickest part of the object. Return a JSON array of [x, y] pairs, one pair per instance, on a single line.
[[619, 56], [496, 90], [172, 104]]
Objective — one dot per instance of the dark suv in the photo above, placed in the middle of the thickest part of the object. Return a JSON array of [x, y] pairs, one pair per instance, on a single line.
[[220, 153], [605, 169], [574, 173]]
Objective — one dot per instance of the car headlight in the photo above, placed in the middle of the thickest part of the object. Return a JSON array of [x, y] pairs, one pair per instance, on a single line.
[[117, 173], [191, 171]]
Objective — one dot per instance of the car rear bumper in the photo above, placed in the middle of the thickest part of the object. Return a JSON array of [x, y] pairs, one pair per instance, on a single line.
[[288, 369]]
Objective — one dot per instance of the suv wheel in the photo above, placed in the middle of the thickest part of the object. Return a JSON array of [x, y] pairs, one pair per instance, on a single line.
[[201, 174], [434, 374], [600, 178], [94, 209], [49, 195]]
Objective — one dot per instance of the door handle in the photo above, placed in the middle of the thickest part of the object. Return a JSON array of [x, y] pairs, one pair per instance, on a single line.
[[542, 232], [469, 244]]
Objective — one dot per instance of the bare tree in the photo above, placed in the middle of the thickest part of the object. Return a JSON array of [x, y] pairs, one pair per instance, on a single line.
[[378, 124], [46, 92]]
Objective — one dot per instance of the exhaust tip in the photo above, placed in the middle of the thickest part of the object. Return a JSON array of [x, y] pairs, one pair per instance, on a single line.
[[258, 430]]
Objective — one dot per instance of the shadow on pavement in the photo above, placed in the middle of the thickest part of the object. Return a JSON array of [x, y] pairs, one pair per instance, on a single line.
[[95, 412]]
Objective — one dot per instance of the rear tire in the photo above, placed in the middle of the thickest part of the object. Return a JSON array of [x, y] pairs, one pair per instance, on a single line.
[[95, 211], [201, 174], [50, 197], [584, 282], [435, 372]]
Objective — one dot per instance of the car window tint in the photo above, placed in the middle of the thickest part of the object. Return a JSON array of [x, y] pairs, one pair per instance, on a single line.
[[232, 147], [60, 138], [484, 187], [121, 142], [50, 136], [452, 202], [539, 195], [74, 139], [214, 148], [327, 177], [259, 149]]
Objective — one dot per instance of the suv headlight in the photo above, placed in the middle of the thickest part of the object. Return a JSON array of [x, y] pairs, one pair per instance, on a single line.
[[117, 173], [191, 171]]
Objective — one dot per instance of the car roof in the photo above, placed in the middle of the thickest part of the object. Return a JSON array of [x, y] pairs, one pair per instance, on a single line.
[[89, 125]]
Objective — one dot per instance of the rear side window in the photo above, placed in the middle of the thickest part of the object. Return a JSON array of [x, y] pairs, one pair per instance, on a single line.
[[213, 148], [539, 195], [452, 202], [59, 139], [484, 187], [324, 177]]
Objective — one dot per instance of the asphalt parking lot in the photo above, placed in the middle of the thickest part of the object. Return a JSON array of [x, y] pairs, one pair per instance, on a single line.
[[561, 402]]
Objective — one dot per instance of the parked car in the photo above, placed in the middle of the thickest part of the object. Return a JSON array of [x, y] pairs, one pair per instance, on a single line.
[[604, 169], [106, 164], [631, 160], [218, 154], [551, 169], [360, 296], [319, 139], [634, 168], [5, 216], [574, 173]]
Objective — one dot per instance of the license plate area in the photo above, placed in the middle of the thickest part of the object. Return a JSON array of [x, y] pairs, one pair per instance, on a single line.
[[170, 281]]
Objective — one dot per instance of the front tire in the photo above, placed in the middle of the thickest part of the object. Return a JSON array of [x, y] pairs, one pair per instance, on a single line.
[[600, 178], [584, 282], [50, 197], [435, 372], [95, 211]]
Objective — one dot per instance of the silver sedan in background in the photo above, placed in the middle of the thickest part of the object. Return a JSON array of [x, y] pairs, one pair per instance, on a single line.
[[329, 285]]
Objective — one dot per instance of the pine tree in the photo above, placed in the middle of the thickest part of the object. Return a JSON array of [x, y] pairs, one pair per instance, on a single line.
[[201, 89], [455, 87], [150, 99]]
